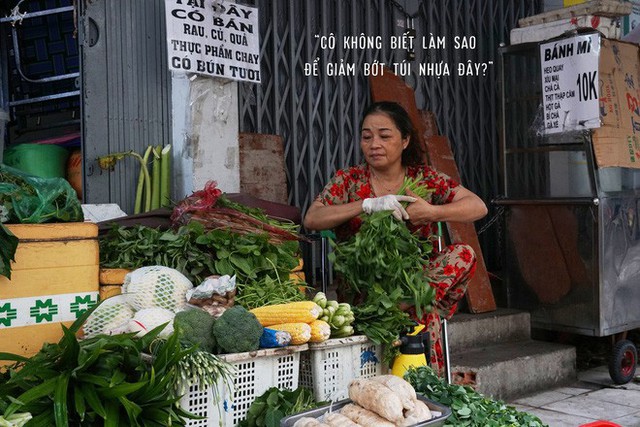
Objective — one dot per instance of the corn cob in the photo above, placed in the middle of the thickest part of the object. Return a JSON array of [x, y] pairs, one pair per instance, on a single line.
[[320, 331], [300, 332], [292, 312]]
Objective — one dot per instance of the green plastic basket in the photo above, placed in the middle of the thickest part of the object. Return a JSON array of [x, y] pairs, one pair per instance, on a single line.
[[43, 160]]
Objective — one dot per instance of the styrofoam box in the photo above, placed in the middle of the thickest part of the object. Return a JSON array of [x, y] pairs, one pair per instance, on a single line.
[[328, 367], [256, 372]]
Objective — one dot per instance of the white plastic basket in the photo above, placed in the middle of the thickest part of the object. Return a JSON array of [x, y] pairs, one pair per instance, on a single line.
[[328, 367], [256, 372]]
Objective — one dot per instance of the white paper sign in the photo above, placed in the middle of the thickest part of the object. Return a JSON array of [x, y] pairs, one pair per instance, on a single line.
[[570, 87], [214, 38]]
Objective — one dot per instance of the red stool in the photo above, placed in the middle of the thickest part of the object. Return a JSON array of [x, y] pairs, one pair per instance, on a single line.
[[600, 423]]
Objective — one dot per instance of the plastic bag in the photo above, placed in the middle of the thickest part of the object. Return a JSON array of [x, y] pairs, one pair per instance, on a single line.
[[29, 199], [214, 295]]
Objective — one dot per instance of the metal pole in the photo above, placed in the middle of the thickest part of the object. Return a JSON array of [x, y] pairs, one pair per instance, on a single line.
[[445, 337], [445, 345]]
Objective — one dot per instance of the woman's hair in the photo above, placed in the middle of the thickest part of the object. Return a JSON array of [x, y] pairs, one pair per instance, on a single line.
[[413, 154]]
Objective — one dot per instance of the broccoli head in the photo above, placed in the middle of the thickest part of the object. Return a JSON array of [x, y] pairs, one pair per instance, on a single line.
[[195, 327], [237, 330]]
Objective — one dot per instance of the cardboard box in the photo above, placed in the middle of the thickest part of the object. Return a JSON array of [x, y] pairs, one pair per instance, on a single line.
[[616, 147], [616, 141], [609, 27], [54, 279], [611, 8]]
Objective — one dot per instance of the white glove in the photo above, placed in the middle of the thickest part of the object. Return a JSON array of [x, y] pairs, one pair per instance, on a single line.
[[390, 202]]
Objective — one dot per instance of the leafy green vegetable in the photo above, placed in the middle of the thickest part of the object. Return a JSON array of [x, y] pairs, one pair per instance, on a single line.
[[142, 246], [386, 264], [8, 247], [97, 381], [267, 290], [468, 407], [197, 253], [381, 319], [274, 404]]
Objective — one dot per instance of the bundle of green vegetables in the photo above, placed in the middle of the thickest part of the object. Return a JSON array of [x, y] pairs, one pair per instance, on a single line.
[[198, 253], [468, 407], [385, 263], [108, 380]]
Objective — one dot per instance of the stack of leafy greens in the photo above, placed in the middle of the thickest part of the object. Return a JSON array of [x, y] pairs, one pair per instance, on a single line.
[[106, 380], [468, 407], [221, 237], [385, 263]]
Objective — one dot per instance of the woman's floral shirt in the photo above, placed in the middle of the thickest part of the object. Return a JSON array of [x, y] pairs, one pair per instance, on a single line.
[[354, 183]]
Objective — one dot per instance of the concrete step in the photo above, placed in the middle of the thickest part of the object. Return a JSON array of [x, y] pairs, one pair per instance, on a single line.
[[508, 370], [472, 330]]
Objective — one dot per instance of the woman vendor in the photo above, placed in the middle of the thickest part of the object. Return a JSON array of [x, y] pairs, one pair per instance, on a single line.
[[392, 152]]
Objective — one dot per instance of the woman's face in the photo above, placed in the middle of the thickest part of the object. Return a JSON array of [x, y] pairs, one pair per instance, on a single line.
[[381, 141]]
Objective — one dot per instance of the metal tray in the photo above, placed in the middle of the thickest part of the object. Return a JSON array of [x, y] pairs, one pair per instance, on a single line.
[[316, 413]]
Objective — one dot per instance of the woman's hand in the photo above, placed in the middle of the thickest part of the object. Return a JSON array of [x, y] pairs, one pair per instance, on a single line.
[[390, 202], [465, 207], [421, 212]]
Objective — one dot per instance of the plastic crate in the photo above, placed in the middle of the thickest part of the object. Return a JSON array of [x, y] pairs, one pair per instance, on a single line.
[[328, 367], [256, 372]]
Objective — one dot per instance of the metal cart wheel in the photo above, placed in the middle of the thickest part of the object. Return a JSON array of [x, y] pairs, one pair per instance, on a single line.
[[622, 365]]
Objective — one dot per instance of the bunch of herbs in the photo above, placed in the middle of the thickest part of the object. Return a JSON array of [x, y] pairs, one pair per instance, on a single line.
[[198, 253], [384, 265], [269, 290]]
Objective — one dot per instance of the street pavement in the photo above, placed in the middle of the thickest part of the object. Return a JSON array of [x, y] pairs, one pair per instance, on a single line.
[[591, 398]]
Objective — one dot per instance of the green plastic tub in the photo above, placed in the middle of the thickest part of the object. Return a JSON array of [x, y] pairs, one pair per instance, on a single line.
[[43, 160]]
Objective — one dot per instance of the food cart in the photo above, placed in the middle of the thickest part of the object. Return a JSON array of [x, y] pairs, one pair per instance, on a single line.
[[571, 188]]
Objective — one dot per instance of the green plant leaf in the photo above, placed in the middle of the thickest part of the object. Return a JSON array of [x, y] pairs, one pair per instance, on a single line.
[[60, 401], [12, 357], [8, 247], [133, 410], [113, 414], [79, 403], [272, 419], [41, 390], [121, 390], [90, 395]]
